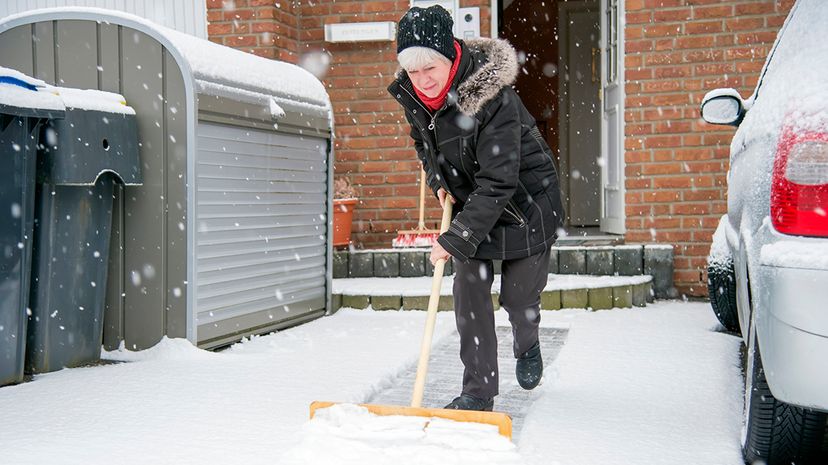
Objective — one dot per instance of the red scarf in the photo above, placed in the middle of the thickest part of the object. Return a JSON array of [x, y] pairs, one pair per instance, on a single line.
[[437, 102]]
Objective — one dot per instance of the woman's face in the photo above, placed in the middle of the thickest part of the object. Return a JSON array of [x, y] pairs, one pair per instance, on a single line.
[[431, 78]]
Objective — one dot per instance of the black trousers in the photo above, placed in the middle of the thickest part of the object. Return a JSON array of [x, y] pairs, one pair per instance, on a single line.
[[521, 284]]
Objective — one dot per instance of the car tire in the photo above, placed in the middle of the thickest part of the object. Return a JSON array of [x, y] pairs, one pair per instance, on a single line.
[[776, 432], [721, 289]]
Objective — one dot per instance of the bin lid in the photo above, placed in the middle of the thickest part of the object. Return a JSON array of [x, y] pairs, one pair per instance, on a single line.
[[22, 95]]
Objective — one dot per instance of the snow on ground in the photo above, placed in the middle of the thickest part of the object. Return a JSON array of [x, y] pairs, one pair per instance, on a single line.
[[653, 385], [421, 285]]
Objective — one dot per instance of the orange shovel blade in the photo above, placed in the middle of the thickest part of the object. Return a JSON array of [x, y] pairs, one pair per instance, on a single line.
[[501, 420]]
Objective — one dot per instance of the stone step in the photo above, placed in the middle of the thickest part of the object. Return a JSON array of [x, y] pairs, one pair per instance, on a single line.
[[562, 291], [655, 260]]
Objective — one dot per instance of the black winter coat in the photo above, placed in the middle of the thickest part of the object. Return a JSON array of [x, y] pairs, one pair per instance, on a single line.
[[484, 148]]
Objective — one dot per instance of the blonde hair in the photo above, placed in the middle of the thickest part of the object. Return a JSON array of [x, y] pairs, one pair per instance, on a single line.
[[417, 57]]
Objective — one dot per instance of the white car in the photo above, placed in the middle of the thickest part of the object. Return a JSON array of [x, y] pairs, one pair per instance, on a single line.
[[768, 270]]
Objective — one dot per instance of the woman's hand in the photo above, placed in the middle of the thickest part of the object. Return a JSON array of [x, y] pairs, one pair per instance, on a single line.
[[438, 252], [441, 195]]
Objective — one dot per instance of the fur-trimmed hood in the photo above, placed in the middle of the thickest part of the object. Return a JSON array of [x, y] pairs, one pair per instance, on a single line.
[[496, 66]]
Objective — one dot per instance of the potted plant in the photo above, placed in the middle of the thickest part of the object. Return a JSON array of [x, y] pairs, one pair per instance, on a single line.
[[344, 201]]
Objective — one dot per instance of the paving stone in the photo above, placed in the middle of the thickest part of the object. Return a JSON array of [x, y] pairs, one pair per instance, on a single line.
[[412, 264], [356, 301], [446, 304], [600, 261], [572, 260], [386, 302], [553, 260], [640, 294], [574, 298], [551, 300], [340, 264], [600, 298], [649, 293], [622, 296], [629, 260], [361, 265], [414, 303], [447, 271], [658, 263], [445, 374], [386, 264]]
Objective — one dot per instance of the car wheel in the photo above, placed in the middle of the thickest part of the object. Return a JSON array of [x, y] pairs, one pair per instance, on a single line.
[[721, 288], [776, 432]]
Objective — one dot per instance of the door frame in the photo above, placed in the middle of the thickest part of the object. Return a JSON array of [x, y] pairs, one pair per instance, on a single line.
[[613, 217]]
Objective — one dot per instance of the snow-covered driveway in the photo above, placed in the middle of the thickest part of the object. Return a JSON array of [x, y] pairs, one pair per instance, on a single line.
[[654, 385]]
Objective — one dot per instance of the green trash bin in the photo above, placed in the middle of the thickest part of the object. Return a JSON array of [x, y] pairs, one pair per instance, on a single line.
[[23, 111], [82, 157]]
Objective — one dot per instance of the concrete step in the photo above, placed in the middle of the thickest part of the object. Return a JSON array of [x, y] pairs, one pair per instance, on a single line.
[[655, 260], [562, 291]]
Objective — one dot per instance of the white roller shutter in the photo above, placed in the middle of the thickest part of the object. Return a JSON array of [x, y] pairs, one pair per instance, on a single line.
[[261, 229]]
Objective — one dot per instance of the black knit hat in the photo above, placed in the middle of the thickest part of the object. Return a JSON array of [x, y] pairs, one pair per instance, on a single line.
[[427, 27]]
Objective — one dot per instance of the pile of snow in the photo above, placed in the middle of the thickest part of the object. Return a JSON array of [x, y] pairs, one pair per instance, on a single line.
[[720, 256], [349, 434], [802, 253], [31, 94], [35, 93], [421, 286], [91, 99]]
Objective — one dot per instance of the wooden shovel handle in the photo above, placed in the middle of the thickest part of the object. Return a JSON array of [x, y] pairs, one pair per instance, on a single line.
[[431, 317]]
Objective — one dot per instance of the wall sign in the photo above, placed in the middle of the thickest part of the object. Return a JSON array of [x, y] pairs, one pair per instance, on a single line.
[[361, 32]]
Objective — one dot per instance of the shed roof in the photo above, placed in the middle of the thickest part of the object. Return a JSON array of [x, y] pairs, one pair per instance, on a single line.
[[217, 69]]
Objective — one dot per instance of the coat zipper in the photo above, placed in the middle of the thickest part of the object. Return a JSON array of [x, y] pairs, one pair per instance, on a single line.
[[515, 215], [431, 127]]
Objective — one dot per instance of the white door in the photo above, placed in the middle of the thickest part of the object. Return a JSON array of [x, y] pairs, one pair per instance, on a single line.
[[612, 121]]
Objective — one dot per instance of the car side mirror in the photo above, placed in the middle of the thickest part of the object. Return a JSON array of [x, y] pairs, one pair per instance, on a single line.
[[723, 106]]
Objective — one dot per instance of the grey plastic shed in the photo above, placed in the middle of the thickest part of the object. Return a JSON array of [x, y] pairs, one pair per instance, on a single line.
[[229, 234]]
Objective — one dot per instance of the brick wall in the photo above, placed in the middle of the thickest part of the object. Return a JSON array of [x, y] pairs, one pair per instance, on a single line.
[[268, 28], [676, 51]]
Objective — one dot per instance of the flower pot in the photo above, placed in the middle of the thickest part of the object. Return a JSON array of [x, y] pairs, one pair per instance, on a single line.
[[343, 214]]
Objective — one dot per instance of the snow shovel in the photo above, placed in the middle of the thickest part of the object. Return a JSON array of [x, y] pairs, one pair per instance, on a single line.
[[501, 420]]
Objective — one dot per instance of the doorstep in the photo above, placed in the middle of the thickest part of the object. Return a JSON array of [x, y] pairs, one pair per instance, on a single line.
[[562, 291], [655, 260]]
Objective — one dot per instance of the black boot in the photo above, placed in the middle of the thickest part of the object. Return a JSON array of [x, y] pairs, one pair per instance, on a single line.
[[529, 368], [467, 402]]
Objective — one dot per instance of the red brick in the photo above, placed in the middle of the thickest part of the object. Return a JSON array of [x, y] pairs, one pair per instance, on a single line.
[[744, 24], [754, 8], [713, 12], [696, 41]]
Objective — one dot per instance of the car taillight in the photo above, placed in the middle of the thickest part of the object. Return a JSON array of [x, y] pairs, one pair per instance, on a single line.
[[799, 189]]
